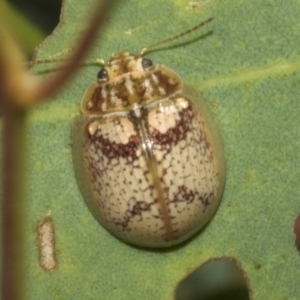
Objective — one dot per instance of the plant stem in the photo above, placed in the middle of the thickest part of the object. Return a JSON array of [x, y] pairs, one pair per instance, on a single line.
[[12, 203]]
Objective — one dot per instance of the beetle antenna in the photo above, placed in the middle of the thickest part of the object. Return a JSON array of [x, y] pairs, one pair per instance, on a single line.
[[175, 37], [98, 61]]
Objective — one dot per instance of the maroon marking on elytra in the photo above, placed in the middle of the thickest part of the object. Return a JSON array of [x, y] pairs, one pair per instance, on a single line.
[[183, 194], [112, 149], [133, 211], [177, 133]]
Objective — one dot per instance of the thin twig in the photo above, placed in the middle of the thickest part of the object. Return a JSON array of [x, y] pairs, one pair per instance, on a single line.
[[13, 148], [12, 202], [48, 88]]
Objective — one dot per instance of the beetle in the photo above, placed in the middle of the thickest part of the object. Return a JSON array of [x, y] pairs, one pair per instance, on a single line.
[[148, 158]]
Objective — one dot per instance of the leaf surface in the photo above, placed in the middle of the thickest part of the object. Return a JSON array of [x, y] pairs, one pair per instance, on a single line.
[[246, 65]]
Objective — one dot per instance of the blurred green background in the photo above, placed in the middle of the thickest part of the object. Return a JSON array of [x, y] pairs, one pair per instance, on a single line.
[[33, 20]]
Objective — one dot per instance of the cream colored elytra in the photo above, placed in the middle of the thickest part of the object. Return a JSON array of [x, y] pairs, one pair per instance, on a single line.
[[149, 164]]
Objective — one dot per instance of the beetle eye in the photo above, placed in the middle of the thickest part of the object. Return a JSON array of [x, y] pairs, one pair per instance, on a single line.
[[102, 74], [146, 63]]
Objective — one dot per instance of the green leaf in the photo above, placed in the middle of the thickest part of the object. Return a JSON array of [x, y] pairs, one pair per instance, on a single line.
[[246, 65], [28, 34]]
